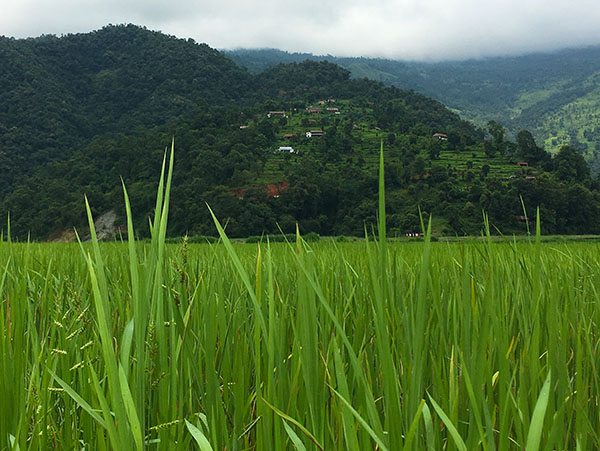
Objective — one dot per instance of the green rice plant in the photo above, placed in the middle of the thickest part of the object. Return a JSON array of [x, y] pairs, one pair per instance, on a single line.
[[371, 344]]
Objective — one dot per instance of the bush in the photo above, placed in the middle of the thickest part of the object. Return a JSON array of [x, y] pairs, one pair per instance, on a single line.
[[311, 237], [271, 238]]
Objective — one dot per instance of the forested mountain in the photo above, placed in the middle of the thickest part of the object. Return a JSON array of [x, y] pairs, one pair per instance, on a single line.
[[296, 143], [555, 95]]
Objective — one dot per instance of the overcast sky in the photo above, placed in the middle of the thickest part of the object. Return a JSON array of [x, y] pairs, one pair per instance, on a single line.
[[403, 29]]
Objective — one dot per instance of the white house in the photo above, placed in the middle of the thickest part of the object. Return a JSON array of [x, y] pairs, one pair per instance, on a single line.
[[287, 149], [276, 113], [314, 133]]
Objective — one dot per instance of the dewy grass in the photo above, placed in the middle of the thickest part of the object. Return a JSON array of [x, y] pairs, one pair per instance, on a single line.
[[335, 346]]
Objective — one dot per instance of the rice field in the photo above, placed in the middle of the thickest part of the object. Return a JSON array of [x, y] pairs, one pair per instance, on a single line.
[[328, 346]]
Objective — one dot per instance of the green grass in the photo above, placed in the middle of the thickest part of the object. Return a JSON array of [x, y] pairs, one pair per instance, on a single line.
[[345, 344], [334, 346]]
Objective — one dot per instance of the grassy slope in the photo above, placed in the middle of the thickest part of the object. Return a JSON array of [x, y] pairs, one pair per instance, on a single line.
[[576, 120]]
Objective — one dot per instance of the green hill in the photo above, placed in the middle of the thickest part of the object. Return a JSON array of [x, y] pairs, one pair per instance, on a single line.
[[81, 111], [555, 95]]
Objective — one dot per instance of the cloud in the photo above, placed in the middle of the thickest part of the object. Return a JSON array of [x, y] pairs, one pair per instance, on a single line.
[[406, 29]]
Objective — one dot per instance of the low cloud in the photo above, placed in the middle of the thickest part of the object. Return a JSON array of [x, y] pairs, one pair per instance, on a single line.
[[404, 29]]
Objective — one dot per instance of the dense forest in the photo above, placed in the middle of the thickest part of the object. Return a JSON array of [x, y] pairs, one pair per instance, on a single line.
[[295, 143], [555, 95]]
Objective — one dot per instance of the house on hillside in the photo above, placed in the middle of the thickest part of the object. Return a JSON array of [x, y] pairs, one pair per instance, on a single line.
[[239, 193], [333, 110], [522, 164], [440, 136], [276, 113], [286, 149], [274, 190], [312, 110], [289, 136], [314, 133], [243, 127]]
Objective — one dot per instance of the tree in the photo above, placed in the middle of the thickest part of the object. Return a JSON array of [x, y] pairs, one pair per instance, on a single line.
[[569, 165], [528, 150], [434, 148], [489, 149], [497, 132], [485, 170]]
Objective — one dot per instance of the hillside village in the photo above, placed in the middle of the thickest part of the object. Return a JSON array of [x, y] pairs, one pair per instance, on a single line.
[[298, 130]]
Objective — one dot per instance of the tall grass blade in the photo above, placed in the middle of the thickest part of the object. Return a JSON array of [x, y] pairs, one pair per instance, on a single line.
[[293, 437], [132, 416], [380, 443], [537, 419], [78, 399], [296, 423], [458, 441], [241, 273], [199, 437]]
